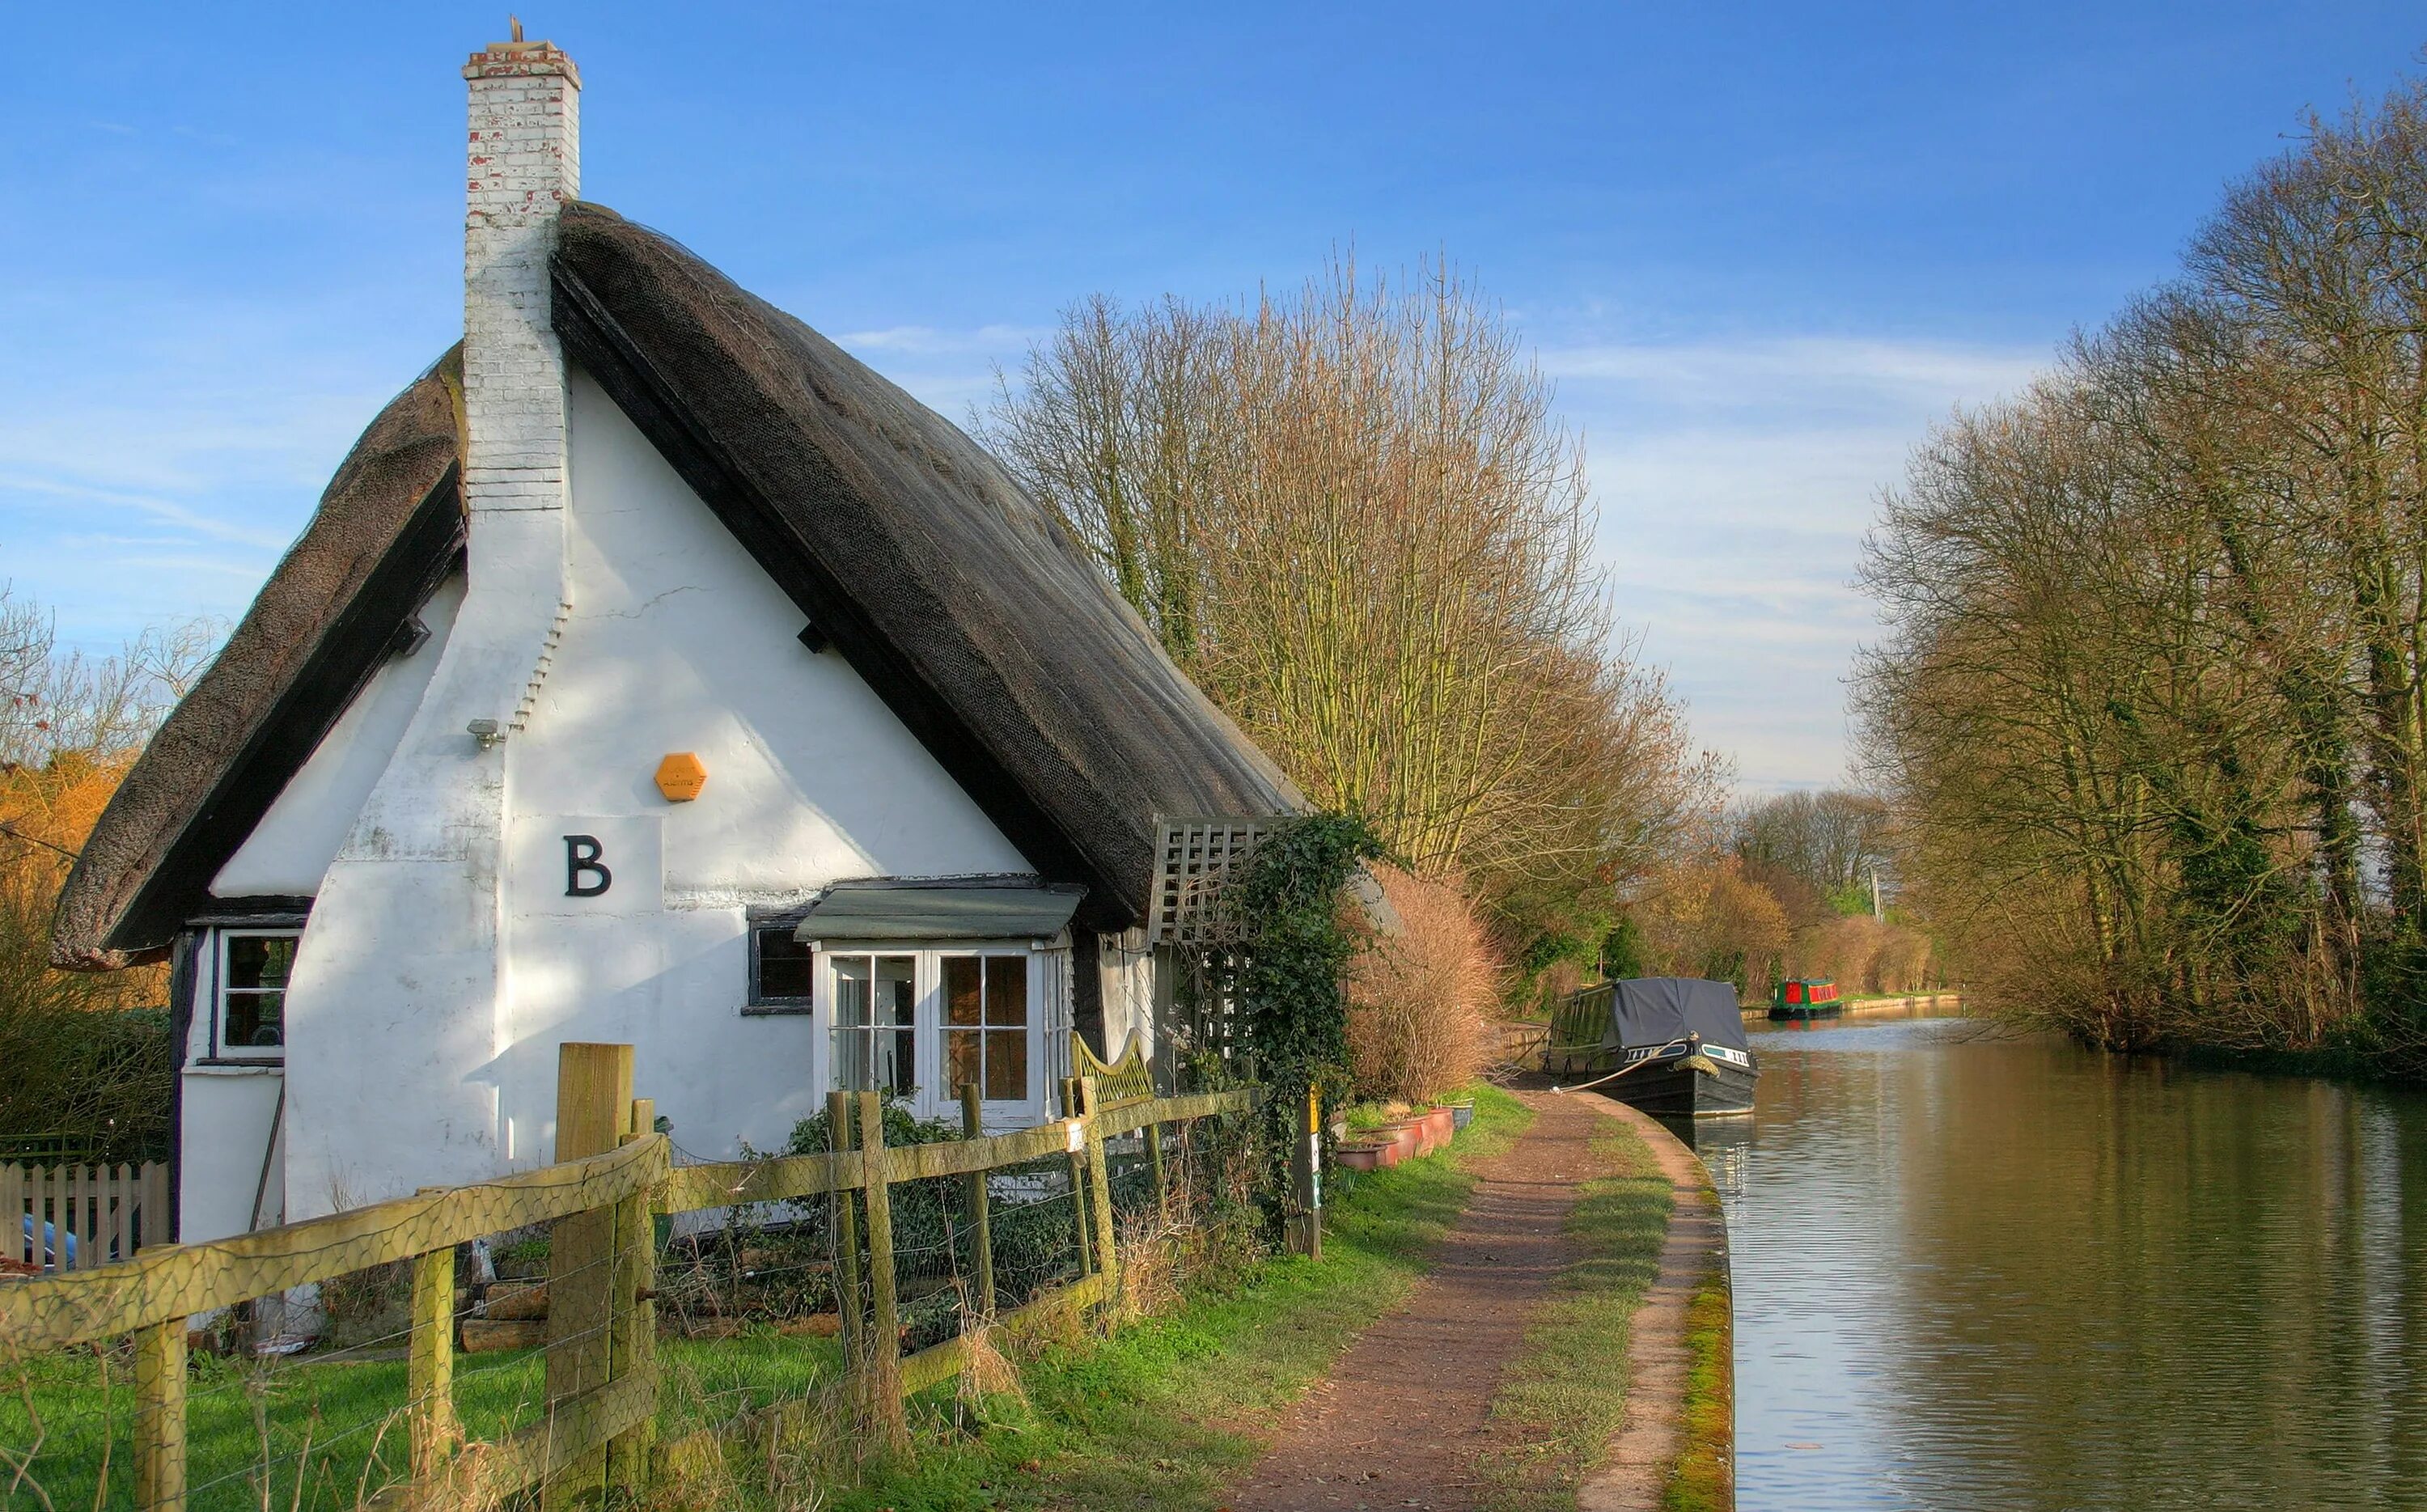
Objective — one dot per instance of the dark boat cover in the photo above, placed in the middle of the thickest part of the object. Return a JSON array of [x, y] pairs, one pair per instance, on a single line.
[[1655, 1009]]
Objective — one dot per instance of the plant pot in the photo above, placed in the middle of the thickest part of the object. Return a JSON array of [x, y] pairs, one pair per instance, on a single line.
[[1407, 1134], [1460, 1115], [1369, 1155], [1438, 1126]]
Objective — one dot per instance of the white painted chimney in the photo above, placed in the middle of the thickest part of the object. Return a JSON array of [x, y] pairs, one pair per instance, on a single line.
[[408, 965], [523, 163]]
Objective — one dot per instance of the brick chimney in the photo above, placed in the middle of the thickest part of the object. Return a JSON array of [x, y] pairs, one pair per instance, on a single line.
[[524, 162]]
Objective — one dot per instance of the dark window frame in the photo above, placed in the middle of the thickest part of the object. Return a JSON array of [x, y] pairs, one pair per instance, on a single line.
[[759, 1005]]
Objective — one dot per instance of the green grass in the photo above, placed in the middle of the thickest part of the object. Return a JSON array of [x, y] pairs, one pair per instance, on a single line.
[[344, 1413], [1704, 1478], [1163, 1414], [1159, 1417], [1565, 1393]]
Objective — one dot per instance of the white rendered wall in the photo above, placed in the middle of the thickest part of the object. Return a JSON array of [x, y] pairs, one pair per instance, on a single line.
[[222, 1136], [223, 1133], [676, 643], [681, 644], [1125, 964], [289, 851]]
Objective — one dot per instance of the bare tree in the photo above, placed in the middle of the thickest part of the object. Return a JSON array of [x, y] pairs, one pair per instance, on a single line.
[[1349, 512]]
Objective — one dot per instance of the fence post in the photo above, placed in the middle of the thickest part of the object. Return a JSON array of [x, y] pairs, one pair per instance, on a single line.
[[632, 1343], [1106, 1260], [160, 1416], [883, 1354], [1079, 1182], [1303, 1229], [854, 1325], [429, 1366], [1154, 1167], [981, 1232], [593, 1099]]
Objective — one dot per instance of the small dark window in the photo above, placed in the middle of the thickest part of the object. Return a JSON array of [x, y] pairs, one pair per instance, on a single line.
[[253, 970], [779, 965]]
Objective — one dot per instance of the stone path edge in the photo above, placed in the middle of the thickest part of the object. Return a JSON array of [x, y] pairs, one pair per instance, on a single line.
[[1648, 1442]]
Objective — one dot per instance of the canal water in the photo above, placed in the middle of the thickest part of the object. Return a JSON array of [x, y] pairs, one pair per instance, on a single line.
[[1975, 1270]]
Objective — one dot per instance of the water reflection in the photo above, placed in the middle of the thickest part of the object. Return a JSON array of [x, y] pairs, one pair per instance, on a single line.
[[1978, 1272]]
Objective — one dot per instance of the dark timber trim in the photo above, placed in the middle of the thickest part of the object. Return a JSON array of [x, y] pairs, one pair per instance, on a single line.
[[357, 644], [593, 338]]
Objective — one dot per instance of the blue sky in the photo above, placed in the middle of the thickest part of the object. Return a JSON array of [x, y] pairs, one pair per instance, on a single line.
[[1759, 247]]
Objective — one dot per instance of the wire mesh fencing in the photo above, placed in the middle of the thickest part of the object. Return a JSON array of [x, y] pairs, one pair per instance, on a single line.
[[574, 1328]]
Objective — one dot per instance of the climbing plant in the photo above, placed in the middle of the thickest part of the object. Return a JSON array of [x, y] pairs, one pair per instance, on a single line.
[[1294, 948]]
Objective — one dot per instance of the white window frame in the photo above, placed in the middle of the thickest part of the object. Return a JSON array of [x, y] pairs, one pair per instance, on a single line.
[[221, 1050], [931, 1099]]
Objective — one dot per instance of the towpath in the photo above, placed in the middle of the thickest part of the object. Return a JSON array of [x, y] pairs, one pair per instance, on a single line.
[[1405, 1414]]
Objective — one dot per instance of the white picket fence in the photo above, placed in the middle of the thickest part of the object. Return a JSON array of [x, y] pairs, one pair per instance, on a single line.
[[76, 1217]]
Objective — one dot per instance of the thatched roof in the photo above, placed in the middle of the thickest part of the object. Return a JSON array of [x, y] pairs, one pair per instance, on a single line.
[[962, 601], [386, 531]]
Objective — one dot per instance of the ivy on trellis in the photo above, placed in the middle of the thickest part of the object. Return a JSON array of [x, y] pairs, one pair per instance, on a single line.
[[1295, 947]]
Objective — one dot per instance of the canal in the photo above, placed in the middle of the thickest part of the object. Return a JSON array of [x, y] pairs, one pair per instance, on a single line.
[[1978, 1272]]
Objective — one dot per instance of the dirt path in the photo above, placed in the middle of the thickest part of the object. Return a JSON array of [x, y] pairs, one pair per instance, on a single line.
[[1401, 1419]]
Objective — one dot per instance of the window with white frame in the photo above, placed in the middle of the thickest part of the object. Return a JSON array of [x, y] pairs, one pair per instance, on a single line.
[[919, 1024], [248, 1013]]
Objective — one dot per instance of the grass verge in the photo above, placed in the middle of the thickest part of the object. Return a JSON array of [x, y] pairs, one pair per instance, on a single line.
[[1163, 1415], [1158, 1417], [1704, 1478], [319, 1434], [1565, 1393]]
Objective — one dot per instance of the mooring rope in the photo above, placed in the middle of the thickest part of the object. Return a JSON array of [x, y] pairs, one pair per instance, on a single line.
[[1632, 1066]]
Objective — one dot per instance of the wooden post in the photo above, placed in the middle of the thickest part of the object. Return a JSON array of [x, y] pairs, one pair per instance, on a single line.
[[1078, 1182], [1154, 1167], [981, 1232], [1303, 1230], [1106, 1260], [160, 1416], [632, 1343], [593, 1099], [12, 1212], [855, 1323], [886, 1423], [430, 1372]]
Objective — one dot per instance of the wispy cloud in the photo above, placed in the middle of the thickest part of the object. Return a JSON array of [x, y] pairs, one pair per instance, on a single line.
[[929, 341], [1740, 373], [1735, 480]]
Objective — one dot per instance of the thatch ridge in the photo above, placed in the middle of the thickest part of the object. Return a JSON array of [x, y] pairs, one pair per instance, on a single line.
[[285, 675]]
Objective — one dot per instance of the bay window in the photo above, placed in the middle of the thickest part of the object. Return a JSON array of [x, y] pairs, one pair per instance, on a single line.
[[919, 1024]]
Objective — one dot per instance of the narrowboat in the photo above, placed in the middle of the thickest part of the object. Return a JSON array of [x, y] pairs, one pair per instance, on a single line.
[[1673, 1047], [1804, 997]]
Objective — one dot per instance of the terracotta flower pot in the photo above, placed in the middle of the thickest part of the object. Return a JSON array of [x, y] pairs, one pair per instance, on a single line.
[[1441, 1125], [1407, 1134], [1369, 1155]]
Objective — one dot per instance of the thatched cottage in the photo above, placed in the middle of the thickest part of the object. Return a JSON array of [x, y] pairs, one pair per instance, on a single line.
[[651, 671]]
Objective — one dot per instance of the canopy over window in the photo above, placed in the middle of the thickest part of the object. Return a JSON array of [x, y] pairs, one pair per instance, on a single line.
[[902, 911], [1655, 1009]]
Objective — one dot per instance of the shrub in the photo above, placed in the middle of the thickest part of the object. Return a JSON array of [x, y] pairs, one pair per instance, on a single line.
[[1420, 1000]]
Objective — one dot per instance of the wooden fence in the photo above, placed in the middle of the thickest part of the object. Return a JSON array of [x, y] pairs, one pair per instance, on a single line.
[[77, 1217], [614, 1176]]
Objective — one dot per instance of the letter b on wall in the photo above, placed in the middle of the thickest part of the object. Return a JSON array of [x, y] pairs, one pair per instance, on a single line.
[[586, 865], [585, 873]]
